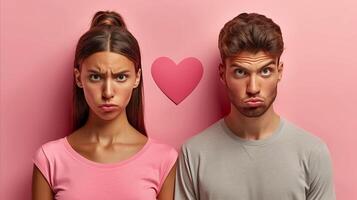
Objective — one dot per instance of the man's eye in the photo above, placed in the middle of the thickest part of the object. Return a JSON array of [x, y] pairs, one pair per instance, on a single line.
[[122, 77], [239, 72], [266, 72], [94, 77]]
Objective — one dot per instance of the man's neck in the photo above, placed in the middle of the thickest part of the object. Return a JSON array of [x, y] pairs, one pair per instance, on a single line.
[[253, 128]]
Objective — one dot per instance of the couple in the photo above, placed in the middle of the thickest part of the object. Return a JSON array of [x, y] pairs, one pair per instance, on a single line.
[[251, 153]]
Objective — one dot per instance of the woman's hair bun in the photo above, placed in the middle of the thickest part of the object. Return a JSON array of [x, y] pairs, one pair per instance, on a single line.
[[107, 18]]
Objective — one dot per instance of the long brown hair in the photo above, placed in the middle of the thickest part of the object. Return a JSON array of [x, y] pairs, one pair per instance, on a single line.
[[108, 32]]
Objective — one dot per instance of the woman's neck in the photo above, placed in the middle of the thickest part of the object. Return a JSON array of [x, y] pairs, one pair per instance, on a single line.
[[107, 131]]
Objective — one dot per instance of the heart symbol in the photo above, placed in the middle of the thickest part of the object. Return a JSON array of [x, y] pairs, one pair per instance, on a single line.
[[177, 81]]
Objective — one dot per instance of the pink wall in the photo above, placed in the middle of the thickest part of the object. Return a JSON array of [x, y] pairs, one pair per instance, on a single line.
[[318, 91]]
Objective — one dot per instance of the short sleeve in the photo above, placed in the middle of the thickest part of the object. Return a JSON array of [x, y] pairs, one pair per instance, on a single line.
[[184, 186], [167, 164], [42, 163], [320, 177]]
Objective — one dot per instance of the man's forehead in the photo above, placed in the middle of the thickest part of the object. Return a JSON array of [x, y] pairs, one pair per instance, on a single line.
[[252, 58]]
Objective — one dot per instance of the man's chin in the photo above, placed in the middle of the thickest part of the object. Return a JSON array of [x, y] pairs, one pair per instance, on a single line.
[[253, 112]]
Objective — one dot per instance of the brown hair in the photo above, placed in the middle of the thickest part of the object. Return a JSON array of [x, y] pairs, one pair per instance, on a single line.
[[250, 32], [108, 32]]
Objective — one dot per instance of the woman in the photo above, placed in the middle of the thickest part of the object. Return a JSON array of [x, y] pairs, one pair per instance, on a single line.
[[108, 156]]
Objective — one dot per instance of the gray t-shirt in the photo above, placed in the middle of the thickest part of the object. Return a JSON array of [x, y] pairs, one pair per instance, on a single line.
[[289, 165]]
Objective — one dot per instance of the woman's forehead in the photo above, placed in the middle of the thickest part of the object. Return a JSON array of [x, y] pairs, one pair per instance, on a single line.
[[107, 61]]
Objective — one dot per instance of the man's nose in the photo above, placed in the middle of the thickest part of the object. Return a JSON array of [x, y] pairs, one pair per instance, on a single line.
[[253, 87]]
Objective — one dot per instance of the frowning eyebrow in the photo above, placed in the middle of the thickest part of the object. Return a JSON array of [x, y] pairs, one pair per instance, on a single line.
[[97, 71], [265, 65]]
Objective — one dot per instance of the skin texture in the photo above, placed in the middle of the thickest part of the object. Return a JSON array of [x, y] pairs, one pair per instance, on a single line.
[[251, 81], [40, 188], [167, 189], [107, 136]]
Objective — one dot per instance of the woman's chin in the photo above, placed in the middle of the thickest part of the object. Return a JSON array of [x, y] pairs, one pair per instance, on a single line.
[[108, 116]]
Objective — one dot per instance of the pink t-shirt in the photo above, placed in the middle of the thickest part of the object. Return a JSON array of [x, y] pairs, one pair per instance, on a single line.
[[73, 177]]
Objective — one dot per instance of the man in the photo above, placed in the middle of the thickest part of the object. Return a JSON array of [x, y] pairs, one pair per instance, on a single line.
[[253, 154]]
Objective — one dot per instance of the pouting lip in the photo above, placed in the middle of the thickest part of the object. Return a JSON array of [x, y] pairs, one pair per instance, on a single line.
[[108, 108], [253, 99], [253, 104], [108, 105]]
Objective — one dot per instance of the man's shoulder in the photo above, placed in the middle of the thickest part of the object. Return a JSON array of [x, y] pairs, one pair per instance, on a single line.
[[301, 137], [205, 138]]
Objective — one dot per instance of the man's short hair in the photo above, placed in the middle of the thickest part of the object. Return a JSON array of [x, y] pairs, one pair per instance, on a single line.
[[250, 32]]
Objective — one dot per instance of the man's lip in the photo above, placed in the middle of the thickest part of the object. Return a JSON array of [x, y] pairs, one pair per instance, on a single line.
[[254, 100], [254, 103]]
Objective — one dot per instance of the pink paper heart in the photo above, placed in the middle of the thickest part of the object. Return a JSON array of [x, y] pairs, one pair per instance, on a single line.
[[177, 81]]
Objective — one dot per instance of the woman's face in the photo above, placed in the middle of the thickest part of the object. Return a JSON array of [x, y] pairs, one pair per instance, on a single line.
[[108, 80]]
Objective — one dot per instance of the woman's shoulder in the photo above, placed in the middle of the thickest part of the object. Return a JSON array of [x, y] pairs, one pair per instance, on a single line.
[[53, 143], [161, 146], [165, 155], [161, 149], [52, 147], [46, 155]]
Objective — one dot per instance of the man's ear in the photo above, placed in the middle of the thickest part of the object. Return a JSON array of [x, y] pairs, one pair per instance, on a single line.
[[137, 79], [280, 70], [77, 77], [221, 71]]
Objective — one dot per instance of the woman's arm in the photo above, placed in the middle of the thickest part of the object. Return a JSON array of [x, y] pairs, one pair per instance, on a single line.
[[167, 190], [40, 188]]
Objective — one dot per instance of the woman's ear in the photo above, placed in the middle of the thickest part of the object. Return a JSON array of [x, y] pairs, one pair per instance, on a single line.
[[137, 79], [77, 77]]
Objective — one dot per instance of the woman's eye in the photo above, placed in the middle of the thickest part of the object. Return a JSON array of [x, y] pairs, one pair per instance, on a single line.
[[239, 72], [122, 77], [94, 77], [266, 72]]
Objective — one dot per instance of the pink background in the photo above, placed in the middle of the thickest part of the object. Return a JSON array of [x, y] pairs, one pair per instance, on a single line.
[[318, 91]]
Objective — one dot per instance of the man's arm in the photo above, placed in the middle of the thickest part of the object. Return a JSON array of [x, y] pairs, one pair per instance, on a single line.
[[184, 185], [320, 177]]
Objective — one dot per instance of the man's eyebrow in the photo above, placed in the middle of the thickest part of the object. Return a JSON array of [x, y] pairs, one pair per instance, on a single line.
[[269, 63], [240, 66], [237, 65]]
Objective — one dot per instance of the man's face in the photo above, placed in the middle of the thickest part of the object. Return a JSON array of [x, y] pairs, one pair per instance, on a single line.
[[251, 80]]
